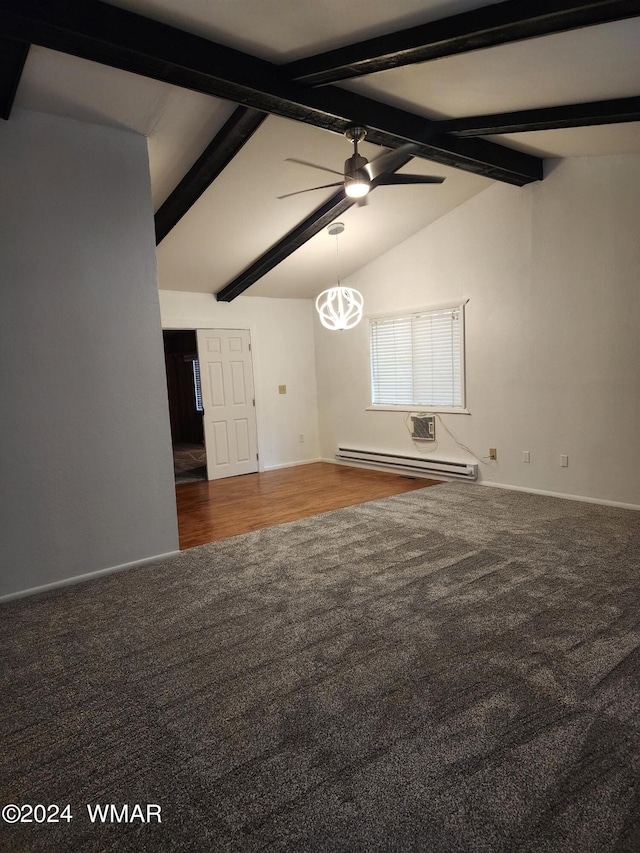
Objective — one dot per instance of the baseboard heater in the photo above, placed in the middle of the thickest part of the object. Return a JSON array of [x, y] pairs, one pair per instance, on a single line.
[[415, 464]]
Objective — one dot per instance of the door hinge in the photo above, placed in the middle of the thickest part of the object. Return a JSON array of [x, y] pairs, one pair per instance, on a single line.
[[249, 346], [254, 401]]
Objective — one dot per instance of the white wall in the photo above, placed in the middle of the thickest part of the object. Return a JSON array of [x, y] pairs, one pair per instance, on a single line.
[[553, 340], [283, 354], [85, 442]]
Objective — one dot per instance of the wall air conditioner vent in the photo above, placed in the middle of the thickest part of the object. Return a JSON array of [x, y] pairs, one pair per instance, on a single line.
[[409, 464], [423, 427]]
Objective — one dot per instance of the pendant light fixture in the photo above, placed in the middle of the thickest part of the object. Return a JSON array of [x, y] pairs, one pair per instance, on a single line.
[[339, 307]]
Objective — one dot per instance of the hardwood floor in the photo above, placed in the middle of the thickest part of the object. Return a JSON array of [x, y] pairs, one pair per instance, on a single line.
[[218, 509]]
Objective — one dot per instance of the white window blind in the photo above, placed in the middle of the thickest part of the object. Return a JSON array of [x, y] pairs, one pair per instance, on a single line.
[[197, 388], [418, 359]]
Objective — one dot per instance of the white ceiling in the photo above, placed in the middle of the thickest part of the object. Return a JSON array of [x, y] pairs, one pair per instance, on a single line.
[[240, 216]]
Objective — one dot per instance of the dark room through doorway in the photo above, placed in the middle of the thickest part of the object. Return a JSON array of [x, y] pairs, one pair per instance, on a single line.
[[185, 405]]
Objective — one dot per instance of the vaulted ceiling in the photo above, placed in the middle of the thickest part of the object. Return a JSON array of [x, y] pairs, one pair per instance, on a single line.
[[229, 93]]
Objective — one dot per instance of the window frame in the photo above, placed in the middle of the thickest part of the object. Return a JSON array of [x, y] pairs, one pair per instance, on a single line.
[[422, 407]]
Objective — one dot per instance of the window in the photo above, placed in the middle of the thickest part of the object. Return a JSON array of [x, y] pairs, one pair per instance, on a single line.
[[197, 388], [417, 360]]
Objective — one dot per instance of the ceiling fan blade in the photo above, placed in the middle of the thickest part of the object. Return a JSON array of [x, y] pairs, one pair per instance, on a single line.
[[312, 165], [389, 160], [311, 189], [388, 180]]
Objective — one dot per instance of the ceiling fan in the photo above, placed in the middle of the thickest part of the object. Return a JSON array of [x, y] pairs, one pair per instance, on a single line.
[[359, 172]]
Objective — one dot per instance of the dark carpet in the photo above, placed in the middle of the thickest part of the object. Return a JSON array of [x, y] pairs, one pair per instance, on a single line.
[[189, 463], [453, 669]]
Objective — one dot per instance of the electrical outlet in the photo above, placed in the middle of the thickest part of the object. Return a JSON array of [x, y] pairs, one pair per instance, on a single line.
[[493, 453], [282, 389], [564, 461], [301, 438]]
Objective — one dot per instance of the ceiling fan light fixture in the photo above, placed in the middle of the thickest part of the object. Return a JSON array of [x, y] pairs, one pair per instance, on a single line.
[[356, 178], [357, 188]]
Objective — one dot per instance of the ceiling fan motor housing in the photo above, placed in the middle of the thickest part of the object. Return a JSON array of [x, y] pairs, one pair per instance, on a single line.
[[355, 172]]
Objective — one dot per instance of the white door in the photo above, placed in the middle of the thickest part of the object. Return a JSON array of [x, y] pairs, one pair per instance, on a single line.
[[226, 377]]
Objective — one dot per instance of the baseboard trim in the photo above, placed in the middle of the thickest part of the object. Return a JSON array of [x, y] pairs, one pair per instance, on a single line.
[[581, 498], [385, 469], [292, 464], [35, 590]]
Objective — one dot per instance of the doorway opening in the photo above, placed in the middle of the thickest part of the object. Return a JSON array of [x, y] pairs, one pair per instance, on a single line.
[[185, 406]]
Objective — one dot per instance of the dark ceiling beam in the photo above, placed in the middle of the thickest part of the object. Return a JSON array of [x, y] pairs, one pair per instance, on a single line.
[[298, 236], [488, 26], [13, 55], [314, 223], [102, 33], [237, 130], [547, 118]]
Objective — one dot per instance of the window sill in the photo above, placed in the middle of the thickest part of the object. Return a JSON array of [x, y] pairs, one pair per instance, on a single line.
[[440, 410]]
